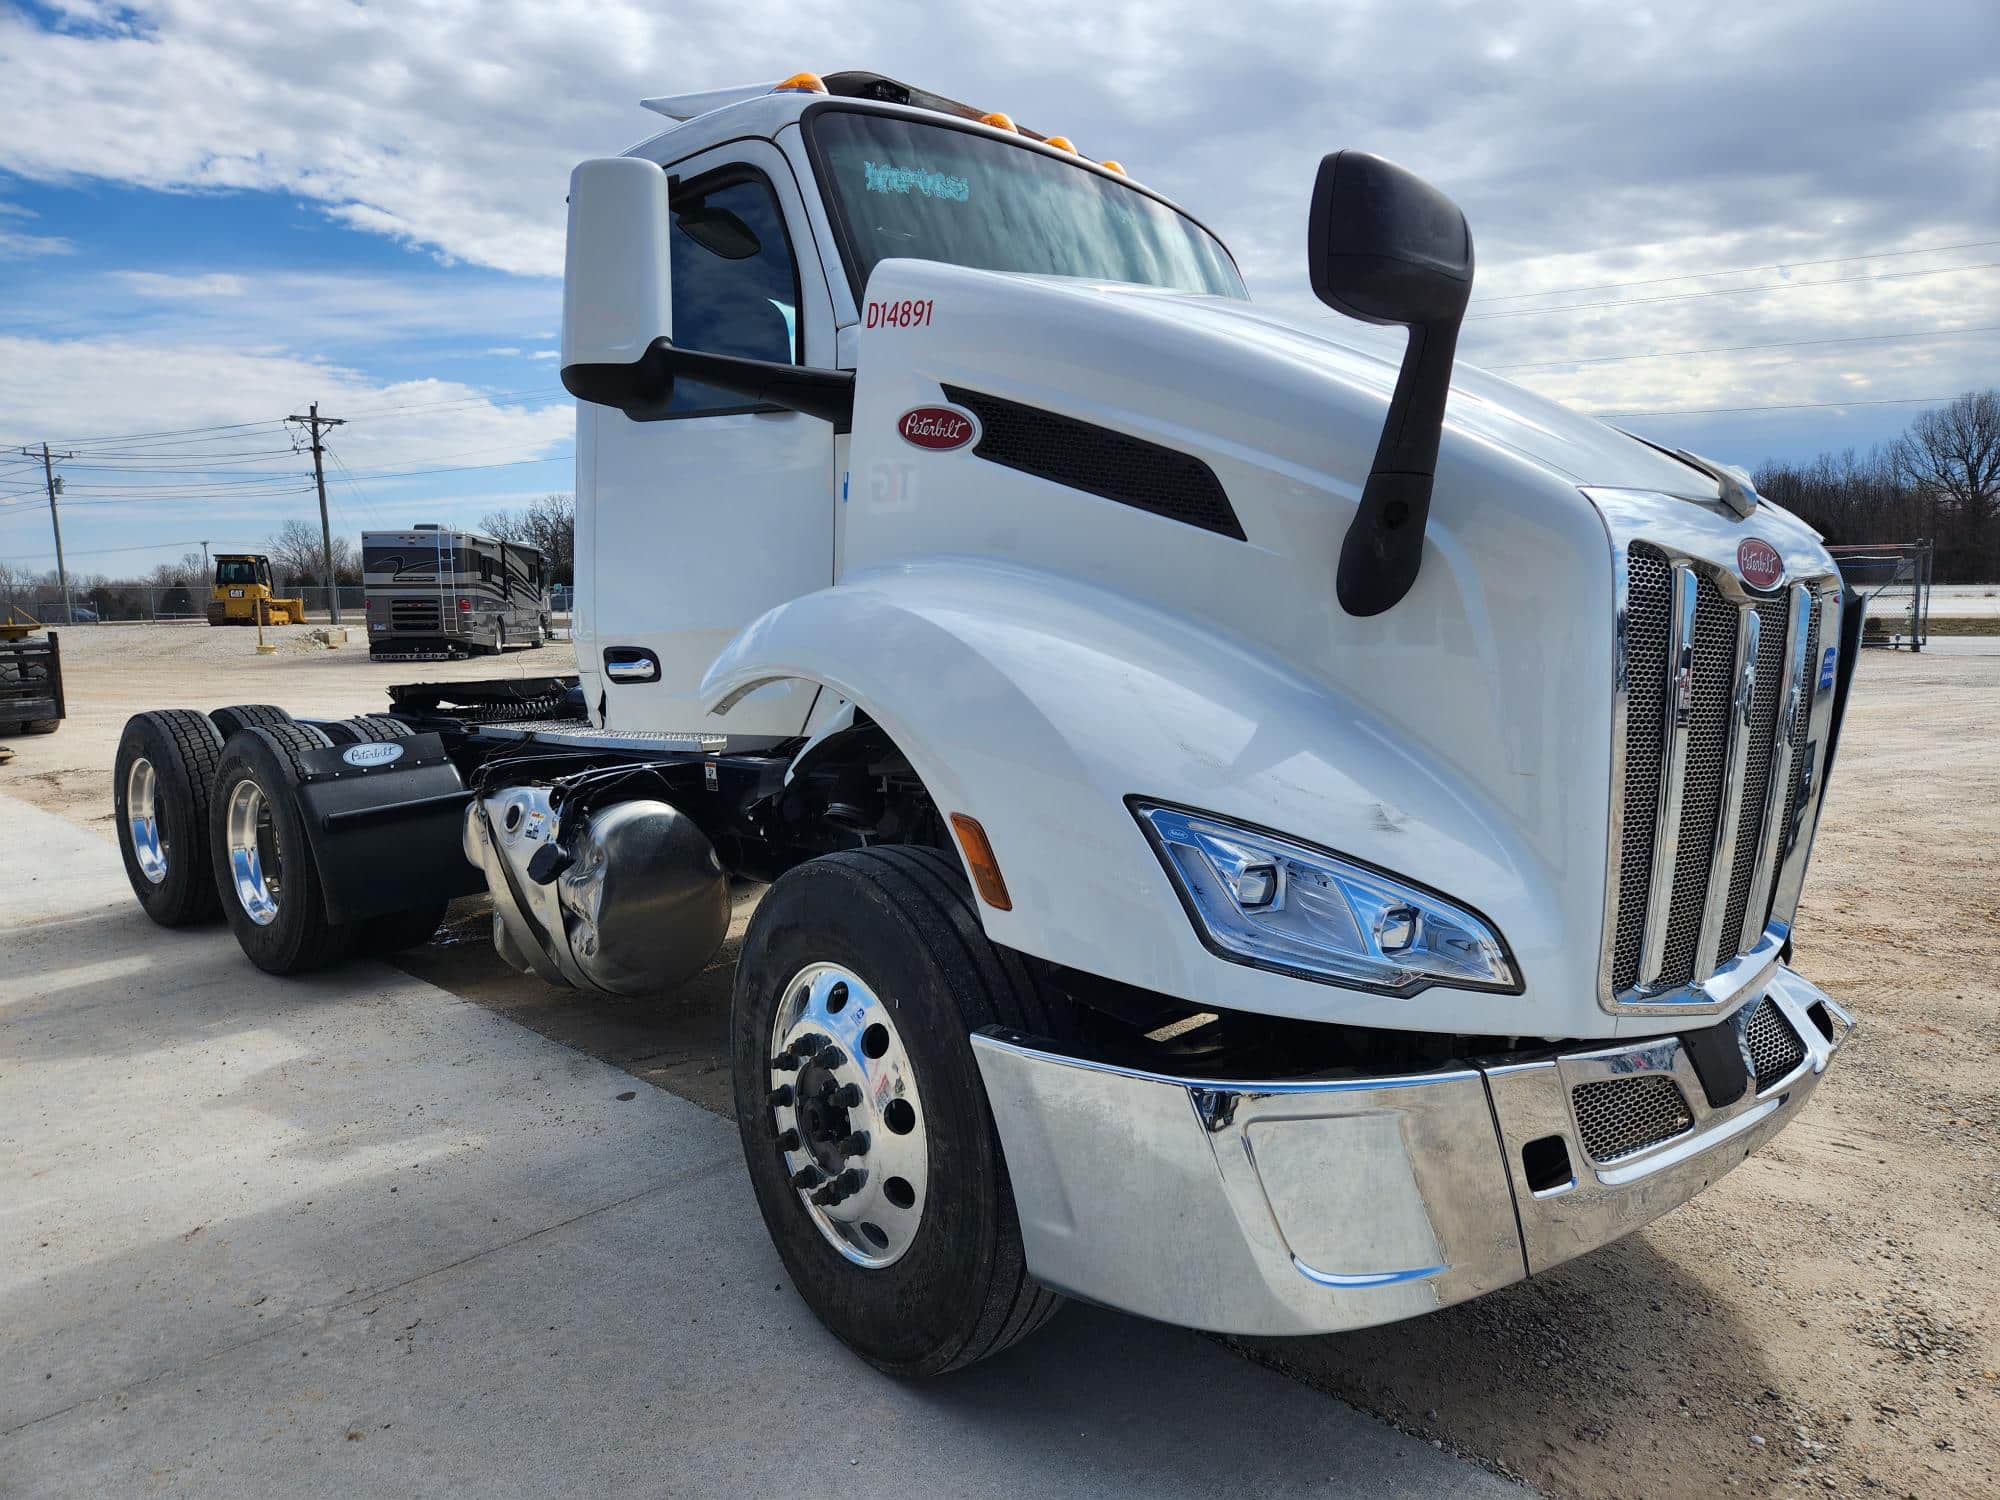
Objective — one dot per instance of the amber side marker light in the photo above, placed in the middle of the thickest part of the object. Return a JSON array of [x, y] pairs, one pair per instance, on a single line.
[[999, 121], [801, 83], [979, 856], [1112, 166], [1060, 142]]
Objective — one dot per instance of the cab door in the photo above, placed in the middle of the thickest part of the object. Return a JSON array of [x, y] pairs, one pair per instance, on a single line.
[[690, 527]]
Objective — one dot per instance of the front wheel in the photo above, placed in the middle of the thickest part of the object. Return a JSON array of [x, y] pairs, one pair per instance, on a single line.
[[863, 1118]]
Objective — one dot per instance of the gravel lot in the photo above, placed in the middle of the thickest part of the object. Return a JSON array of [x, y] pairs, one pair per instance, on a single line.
[[1826, 1320]]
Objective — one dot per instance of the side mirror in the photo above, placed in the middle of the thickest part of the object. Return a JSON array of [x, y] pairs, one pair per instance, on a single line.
[[1385, 246], [617, 281], [617, 345]]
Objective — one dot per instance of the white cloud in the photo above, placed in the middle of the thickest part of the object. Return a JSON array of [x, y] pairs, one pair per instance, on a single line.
[[15, 245], [167, 287], [1588, 144]]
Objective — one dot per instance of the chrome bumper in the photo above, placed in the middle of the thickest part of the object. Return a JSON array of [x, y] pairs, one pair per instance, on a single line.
[[1321, 1205]]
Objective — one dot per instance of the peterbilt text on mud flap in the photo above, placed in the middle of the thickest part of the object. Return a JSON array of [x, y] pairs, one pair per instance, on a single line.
[[1262, 837]]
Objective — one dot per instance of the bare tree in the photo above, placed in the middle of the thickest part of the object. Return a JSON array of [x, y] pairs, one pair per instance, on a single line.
[[1951, 456], [504, 524], [298, 557], [550, 526]]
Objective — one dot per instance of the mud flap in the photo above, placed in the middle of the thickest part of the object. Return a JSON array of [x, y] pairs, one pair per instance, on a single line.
[[384, 823]]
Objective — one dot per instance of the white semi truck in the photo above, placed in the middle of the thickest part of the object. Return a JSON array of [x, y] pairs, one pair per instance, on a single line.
[[1259, 836]]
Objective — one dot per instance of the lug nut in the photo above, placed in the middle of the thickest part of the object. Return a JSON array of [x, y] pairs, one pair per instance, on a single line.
[[807, 1176], [786, 1062], [781, 1096], [848, 1182], [847, 1096], [828, 1196], [788, 1141], [855, 1144], [831, 1058]]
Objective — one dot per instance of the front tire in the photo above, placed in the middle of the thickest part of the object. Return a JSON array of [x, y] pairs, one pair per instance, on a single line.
[[838, 943]]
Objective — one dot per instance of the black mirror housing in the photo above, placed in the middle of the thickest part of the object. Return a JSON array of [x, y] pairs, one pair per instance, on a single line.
[[1384, 246]]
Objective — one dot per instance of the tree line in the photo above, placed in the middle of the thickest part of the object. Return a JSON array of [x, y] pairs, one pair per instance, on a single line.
[[1939, 482]]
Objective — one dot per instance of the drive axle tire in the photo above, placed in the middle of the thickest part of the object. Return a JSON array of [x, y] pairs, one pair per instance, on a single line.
[[247, 716], [864, 1121], [160, 786], [263, 863]]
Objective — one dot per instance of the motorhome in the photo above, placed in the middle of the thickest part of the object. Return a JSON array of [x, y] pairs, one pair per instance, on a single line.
[[431, 593]]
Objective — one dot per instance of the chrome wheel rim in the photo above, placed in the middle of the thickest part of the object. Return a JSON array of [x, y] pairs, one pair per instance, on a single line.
[[142, 817], [850, 1124], [255, 865]]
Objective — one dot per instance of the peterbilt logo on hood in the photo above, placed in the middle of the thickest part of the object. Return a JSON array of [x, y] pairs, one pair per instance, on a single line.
[[1759, 563], [936, 427]]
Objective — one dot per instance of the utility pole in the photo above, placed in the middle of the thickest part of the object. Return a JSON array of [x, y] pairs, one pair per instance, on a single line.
[[204, 560], [55, 488], [314, 422]]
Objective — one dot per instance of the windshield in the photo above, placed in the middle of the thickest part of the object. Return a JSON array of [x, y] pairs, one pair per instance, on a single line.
[[236, 570], [901, 187]]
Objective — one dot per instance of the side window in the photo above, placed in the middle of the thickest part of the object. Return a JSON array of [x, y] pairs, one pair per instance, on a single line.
[[736, 286]]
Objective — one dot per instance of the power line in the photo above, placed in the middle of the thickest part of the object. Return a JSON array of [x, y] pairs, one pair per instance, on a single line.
[[104, 551], [1731, 291], [1859, 338], [1783, 265], [1711, 411]]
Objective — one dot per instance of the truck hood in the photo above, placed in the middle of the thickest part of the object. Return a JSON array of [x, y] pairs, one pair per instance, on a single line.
[[1483, 406]]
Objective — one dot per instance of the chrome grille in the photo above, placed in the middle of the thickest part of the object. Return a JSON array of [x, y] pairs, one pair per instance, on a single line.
[[1718, 685], [1757, 768], [1775, 1049], [1649, 598], [1701, 797], [1618, 1117]]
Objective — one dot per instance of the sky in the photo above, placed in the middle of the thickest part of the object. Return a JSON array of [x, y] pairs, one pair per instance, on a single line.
[[213, 215]]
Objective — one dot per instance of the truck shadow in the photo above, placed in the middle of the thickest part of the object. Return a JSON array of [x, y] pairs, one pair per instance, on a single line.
[[1583, 1370]]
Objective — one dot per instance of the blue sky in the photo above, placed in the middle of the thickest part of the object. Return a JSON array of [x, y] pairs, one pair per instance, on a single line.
[[215, 215]]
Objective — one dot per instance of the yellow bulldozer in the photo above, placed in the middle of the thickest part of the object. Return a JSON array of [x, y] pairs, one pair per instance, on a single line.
[[242, 593]]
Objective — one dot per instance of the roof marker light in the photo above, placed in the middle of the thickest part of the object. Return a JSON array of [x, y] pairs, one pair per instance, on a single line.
[[1060, 142], [1112, 166], [1000, 121], [801, 83]]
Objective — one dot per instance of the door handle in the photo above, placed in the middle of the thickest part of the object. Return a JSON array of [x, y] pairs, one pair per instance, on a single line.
[[631, 664]]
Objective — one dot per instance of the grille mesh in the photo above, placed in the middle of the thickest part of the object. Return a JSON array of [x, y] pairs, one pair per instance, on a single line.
[[1771, 616], [1701, 784], [1111, 465], [1775, 1049], [414, 614], [1617, 1117], [1648, 606]]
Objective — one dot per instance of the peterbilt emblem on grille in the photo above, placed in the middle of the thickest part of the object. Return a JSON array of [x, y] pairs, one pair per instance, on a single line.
[[1759, 563], [936, 427]]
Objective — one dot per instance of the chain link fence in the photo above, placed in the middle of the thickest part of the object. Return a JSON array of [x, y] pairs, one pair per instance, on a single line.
[[131, 603]]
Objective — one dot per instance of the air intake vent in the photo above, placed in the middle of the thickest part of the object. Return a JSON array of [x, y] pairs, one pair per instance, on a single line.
[[1098, 461], [1619, 1117], [1775, 1049]]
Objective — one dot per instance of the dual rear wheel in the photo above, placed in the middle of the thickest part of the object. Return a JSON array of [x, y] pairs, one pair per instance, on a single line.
[[210, 825]]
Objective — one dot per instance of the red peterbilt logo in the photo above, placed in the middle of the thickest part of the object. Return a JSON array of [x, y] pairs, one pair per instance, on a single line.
[[936, 427], [1758, 561]]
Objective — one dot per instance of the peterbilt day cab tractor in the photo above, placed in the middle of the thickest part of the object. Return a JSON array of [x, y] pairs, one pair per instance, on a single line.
[[244, 595], [1261, 835]]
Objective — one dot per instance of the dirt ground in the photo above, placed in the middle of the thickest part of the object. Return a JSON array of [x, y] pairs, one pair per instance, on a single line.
[[1825, 1320]]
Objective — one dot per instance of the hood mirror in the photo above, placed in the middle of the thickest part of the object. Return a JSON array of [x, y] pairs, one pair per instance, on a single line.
[[1384, 246]]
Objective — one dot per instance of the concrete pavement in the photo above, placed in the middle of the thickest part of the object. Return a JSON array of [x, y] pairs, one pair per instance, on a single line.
[[352, 1235]]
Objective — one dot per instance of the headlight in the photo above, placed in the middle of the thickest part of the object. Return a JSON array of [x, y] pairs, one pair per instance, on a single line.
[[1257, 898]]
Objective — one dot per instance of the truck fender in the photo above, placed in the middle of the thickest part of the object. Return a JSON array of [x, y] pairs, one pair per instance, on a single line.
[[1038, 703]]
